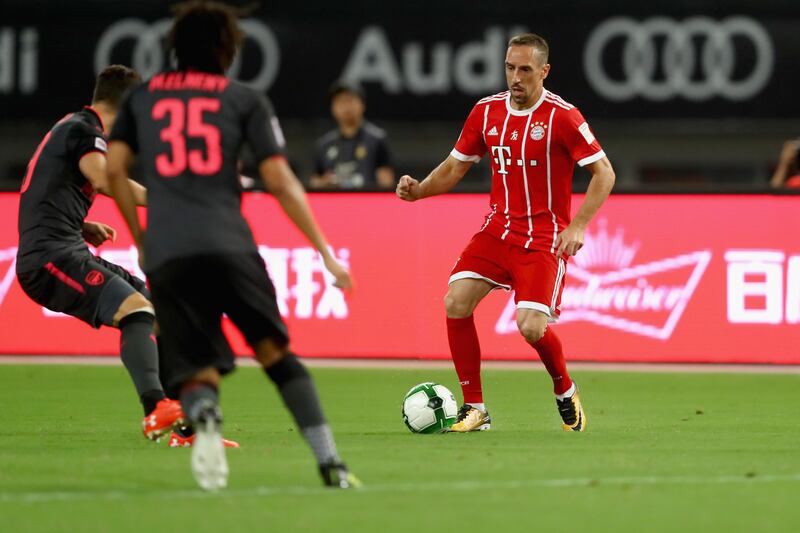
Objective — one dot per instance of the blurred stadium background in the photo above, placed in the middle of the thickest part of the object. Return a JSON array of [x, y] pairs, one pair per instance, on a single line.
[[702, 104]]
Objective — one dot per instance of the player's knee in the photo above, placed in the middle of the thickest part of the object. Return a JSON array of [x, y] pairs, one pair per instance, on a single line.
[[134, 304], [532, 331], [457, 307], [287, 369], [269, 353]]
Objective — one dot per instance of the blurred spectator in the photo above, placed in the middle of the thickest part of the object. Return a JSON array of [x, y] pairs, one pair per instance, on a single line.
[[787, 173], [354, 155]]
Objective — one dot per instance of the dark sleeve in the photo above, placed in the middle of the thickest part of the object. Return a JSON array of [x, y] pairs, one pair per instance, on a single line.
[[125, 125], [320, 167], [264, 134], [83, 139], [383, 158]]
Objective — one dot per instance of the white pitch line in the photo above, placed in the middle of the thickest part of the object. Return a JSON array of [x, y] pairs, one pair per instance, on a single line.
[[62, 496]]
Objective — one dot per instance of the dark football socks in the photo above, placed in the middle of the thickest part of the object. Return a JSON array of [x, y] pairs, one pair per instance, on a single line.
[[139, 354], [300, 396], [552, 355], [466, 353], [200, 400]]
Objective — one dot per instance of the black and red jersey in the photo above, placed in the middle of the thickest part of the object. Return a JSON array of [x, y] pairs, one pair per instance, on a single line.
[[55, 196], [187, 130]]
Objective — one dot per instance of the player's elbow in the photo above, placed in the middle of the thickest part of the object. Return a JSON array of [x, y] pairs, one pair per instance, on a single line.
[[605, 174]]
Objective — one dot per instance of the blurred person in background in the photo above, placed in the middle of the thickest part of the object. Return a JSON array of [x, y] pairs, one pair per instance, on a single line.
[[787, 173], [355, 155]]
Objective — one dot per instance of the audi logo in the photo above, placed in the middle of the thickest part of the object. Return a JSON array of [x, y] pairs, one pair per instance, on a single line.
[[147, 54], [710, 41]]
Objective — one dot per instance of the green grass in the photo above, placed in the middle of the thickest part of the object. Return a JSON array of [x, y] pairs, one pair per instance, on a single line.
[[664, 452]]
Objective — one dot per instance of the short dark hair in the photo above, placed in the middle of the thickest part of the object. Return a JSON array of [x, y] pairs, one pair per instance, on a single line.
[[531, 39], [345, 86], [205, 36], [112, 82]]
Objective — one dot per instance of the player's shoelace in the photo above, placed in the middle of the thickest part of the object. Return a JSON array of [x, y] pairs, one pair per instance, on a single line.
[[566, 409], [463, 412]]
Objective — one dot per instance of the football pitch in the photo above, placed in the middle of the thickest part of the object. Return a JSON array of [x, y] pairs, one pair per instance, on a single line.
[[663, 452]]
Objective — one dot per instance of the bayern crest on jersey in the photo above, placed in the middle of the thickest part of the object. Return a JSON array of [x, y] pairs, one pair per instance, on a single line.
[[537, 131]]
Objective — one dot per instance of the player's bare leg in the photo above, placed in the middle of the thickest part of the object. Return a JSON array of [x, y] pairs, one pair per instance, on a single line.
[[533, 326], [462, 297], [300, 397], [139, 354], [200, 402]]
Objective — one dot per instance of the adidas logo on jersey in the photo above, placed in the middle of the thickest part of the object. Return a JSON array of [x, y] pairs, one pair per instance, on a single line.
[[492, 131]]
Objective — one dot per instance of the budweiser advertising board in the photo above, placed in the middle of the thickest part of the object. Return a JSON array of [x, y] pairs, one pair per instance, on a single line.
[[660, 278]]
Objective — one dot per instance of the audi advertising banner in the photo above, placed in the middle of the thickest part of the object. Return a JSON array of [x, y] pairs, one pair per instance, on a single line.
[[660, 278], [432, 60]]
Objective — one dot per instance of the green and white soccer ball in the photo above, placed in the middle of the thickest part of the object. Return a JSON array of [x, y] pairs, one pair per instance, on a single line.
[[429, 408]]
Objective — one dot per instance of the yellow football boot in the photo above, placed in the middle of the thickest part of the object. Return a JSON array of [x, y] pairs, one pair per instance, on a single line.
[[471, 419], [571, 412]]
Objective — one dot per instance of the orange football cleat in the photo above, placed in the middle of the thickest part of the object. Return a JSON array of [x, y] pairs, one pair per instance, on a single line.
[[176, 441], [163, 418]]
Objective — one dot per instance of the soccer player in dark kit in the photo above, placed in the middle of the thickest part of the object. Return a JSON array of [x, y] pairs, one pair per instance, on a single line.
[[185, 128], [54, 265]]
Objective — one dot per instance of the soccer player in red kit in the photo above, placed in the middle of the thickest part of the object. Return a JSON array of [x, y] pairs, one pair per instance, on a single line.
[[534, 138]]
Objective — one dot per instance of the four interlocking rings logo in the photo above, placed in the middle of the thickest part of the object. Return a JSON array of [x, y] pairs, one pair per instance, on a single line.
[[147, 55], [684, 42]]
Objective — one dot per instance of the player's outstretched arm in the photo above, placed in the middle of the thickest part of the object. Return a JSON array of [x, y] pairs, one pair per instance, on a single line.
[[120, 157], [571, 239], [94, 168], [284, 185], [443, 178]]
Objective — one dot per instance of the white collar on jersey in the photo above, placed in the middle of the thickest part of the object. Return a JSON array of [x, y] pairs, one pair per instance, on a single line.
[[524, 112]]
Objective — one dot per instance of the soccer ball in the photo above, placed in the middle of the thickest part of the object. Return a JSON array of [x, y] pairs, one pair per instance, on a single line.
[[429, 408]]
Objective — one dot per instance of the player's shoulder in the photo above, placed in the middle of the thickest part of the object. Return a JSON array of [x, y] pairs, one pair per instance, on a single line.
[[555, 100], [83, 123], [239, 92], [493, 98], [327, 139], [374, 131]]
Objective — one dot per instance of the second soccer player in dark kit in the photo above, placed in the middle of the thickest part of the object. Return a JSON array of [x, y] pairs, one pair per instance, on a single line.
[[185, 128]]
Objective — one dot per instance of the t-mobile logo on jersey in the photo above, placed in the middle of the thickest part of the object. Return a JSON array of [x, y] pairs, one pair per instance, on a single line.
[[300, 278], [503, 158]]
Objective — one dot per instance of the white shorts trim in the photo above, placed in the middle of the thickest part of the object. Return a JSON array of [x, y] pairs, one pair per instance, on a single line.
[[467, 274], [536, 306]]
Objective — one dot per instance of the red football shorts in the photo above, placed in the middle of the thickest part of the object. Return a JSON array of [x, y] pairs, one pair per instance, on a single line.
[[536, 277]]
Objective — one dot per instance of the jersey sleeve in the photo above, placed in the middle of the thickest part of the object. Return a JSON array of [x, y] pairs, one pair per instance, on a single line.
[[264, 134], [470, 145], [84, 139], [580, 141], [125, 125]]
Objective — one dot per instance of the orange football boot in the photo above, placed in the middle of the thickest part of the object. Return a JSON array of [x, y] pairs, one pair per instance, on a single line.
[[176, 441], [163, 418]]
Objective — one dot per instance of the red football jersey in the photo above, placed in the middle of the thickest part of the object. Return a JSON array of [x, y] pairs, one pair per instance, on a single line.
[[533, 153]]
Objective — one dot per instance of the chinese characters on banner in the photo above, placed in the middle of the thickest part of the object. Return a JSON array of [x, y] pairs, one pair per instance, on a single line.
[[660, 278]]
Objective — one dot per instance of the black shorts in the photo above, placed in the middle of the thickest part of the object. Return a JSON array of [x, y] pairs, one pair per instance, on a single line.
[[82, 285], [190, 296]]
